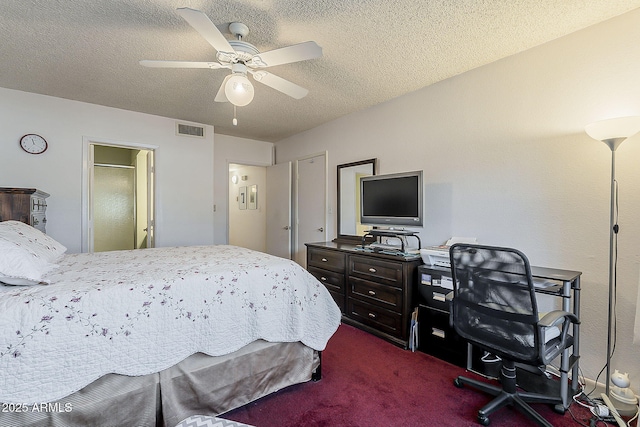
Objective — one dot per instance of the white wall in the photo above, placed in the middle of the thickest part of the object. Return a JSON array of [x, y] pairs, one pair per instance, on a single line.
[[184, 165], [229, 149], [506, 159]]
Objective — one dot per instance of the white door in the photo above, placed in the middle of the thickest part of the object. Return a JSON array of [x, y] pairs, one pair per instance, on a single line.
[[279, 210], [311, 197], [114, 203]]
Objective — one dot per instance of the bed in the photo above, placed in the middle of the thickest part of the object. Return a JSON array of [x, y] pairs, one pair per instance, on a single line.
[[149, 337]]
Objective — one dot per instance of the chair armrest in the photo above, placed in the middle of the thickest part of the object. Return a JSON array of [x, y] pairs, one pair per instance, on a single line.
[[551, 346], [556, 317]]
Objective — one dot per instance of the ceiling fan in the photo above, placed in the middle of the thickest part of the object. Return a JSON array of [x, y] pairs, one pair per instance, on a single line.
[[242, 58]]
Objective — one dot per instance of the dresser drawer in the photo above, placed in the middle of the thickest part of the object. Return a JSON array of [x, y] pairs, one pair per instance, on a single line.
[[38, 204], [332, 280], [377, 270], [39, 221], [368, 314], [339, 299], [375, 293], [326, 259]]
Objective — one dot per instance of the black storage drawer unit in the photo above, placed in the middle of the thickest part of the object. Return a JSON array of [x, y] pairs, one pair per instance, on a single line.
[[438, 338]]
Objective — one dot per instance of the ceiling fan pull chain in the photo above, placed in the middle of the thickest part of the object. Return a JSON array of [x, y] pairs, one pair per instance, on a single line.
[[234, 121]]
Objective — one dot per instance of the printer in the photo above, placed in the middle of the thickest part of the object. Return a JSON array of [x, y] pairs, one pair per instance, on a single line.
[[436, 256], [439, 255]]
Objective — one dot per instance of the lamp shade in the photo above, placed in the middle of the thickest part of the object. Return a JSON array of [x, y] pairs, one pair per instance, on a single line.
[[239, 90], [618, 128]]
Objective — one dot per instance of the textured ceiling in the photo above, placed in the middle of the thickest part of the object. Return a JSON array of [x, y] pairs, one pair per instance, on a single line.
[[374, 50]]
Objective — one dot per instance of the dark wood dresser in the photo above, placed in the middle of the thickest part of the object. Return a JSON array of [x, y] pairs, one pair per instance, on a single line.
[[27, 205], [373, 290]]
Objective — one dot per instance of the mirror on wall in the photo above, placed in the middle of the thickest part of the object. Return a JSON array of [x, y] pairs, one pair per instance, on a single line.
[[348, 207]]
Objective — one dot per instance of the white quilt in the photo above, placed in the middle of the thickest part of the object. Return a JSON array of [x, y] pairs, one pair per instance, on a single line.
[[139, 312]]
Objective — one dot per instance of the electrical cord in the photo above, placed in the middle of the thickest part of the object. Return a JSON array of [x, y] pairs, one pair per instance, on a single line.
[[600, 412], [634, 418]]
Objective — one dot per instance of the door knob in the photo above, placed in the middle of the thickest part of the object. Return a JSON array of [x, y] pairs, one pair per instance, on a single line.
[[287, 227], [321, 229]]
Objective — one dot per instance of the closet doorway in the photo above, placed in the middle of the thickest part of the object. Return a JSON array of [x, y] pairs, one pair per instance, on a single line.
[[120, 193], [247, 203]]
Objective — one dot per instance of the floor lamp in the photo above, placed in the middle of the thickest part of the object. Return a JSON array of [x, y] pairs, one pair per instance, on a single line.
[[612, 132]]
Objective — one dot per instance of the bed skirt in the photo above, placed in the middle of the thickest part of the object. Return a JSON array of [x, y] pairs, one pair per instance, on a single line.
[[200, 384]]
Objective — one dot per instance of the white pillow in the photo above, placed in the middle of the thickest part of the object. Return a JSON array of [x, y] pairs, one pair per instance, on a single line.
[[32, 239], [18, 266]]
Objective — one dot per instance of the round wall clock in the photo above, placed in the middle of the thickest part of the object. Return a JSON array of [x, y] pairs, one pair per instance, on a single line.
[[33, 144]]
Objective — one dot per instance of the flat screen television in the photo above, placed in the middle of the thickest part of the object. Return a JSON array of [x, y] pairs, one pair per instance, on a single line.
[[392, 200]]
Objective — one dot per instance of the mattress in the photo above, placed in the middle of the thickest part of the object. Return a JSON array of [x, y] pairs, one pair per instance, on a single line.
[[140, 312]]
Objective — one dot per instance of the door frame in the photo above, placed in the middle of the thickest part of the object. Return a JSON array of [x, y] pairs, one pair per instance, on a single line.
[[88, 179], [296, 216]]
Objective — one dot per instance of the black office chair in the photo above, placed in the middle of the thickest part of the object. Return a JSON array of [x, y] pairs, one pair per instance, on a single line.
[[494, 308]]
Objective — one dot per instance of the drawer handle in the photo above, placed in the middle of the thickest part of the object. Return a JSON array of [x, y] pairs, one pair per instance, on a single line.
[[372, 270], [439, 297], [372, 315], [372, 293], [438, 333], [324, 260], [324, 279]]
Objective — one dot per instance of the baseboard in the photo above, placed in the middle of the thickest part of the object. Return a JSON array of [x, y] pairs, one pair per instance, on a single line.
[[593, 388], [590, 384]]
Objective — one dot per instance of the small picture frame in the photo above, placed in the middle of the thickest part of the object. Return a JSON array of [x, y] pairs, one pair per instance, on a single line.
[[242, 198], [253, 197]]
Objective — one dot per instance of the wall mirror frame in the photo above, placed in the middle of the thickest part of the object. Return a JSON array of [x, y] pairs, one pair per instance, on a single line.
[[347, 206]]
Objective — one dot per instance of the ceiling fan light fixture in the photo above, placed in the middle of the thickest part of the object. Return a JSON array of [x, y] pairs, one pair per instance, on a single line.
[[242, 58], [239, 90]]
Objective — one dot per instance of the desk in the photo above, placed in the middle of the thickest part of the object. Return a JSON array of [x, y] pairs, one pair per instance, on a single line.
[[566, 285]]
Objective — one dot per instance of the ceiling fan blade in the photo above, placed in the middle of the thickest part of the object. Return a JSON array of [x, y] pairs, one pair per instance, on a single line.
[[180, 64], [289, 54], [280, 84], [207, 29], [221, 96]]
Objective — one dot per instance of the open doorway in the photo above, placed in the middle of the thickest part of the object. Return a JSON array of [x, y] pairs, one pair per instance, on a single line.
[[119, 198], [247, 203]]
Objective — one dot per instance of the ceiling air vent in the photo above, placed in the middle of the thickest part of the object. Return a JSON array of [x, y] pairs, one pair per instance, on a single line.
[[189, 130]]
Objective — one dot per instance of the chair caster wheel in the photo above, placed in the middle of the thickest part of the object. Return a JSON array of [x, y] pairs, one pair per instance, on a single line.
[[483, 419], [559, 409], [458, 383]]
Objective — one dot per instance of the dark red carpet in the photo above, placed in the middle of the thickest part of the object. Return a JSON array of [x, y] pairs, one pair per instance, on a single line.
[[369, 382]]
